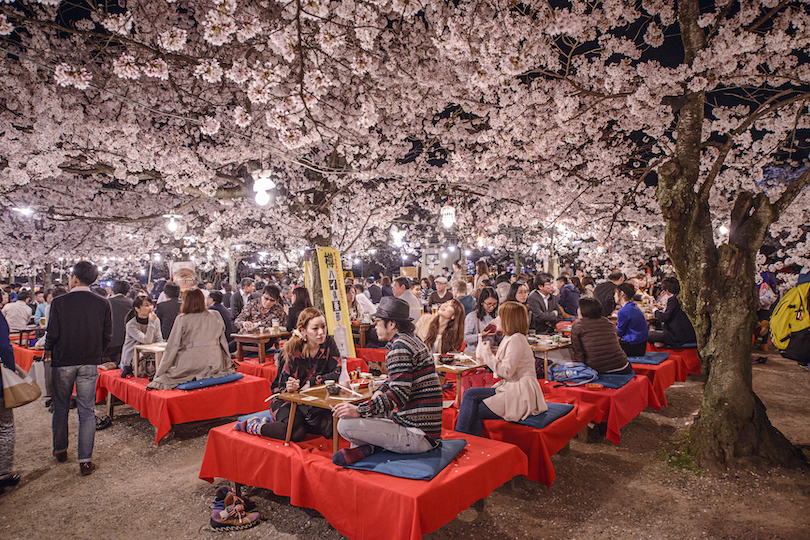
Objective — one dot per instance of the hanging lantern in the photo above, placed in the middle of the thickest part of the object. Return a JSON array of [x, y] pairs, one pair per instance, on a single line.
[[448, 214]]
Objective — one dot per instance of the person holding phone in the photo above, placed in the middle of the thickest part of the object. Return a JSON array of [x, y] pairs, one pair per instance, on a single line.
[[480, 320]]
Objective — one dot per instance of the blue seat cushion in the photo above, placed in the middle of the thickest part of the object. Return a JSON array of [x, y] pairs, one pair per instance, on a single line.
[[422, 466], [690, 345], [210, 381], [654, 358], [555, 411], [612, 380]]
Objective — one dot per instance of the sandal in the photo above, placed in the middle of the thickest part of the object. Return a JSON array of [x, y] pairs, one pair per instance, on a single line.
[[228, 512]]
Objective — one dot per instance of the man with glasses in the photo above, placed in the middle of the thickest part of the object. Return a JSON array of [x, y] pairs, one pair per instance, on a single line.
[[261, 311]]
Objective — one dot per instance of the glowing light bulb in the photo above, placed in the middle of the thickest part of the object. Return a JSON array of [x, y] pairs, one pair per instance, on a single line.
[[262, 197], [723, 229], [172, 225]]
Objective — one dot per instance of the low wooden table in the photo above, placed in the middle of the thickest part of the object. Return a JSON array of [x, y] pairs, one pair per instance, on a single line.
[[317, 397], [157, 348], [459, 369], [25, 334], [255, 341], [545, 348]]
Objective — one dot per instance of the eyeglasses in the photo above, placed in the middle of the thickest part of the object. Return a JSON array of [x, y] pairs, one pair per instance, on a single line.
[[491, 304], [268, 299]]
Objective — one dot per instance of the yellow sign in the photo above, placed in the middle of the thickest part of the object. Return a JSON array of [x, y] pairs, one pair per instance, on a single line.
[[336, 307]]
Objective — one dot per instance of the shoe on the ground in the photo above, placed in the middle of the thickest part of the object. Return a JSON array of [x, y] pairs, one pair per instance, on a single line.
[[86, 469], [103, 422], [61, 457], [127, 371], [228, 512], [48, 402], [9, 481]]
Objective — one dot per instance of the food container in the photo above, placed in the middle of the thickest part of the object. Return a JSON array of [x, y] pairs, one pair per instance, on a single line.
[[593, 386], [333, 390]]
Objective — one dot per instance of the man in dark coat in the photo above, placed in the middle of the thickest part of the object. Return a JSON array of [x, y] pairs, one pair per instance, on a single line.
[[120, 306], [374, 290], [604, 292], [167, 311], [542, 304]]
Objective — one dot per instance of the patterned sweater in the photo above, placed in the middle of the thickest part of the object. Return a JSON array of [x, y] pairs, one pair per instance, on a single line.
[[412, 394], [253, 313]]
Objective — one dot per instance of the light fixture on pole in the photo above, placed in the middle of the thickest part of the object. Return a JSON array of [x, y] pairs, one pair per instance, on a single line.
[[172, 224], [448, 214]]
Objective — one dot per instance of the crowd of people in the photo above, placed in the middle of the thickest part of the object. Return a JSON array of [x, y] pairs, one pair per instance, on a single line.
[[92, 326]]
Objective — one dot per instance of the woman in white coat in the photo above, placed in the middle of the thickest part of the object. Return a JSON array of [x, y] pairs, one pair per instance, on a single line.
[[197, 347], [518, 394]]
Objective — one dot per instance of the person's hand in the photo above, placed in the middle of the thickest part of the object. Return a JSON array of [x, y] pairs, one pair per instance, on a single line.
[[292, 384], [345, 410], [152, 317], [485, 334], [554, 311], [318, 379], [46, 355]]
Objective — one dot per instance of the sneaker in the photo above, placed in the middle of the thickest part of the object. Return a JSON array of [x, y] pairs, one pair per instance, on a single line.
[[86, 469]]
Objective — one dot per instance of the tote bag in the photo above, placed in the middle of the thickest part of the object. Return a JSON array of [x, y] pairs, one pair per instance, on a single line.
[[18, 388]]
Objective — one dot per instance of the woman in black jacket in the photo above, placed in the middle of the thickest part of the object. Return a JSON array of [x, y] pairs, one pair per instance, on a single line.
[[677, 328], [300, 302]]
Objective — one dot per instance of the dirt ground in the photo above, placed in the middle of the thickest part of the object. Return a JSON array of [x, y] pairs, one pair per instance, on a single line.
[[602, 490]]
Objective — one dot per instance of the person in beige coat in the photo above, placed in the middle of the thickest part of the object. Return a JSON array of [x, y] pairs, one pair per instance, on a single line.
[[518, 394], [197, 347]]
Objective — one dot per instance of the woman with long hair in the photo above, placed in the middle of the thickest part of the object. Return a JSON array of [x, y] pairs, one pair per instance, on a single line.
[[443, 332], [426, 289], [518, 394], [519, 292], [300, 302], [481, 273], [310, 357], [385, 285], [356, 312], [588, 285], [197, 347], [142, 327], [477, 321], [595, 341]]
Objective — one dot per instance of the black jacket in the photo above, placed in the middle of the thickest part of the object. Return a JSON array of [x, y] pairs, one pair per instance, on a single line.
[[542, 318], [237, 304], [120, 306], [79, 329], [226, 318], [375, 292], [677, 328], [604, 292], [167, 312]]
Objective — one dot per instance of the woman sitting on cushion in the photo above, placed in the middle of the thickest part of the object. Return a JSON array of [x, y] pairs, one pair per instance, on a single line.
[[518, 394], [142, 328], [677, 327], [595, 342], [443, 332], [630, 323], [197, 347], [476, 321], [310, 357]]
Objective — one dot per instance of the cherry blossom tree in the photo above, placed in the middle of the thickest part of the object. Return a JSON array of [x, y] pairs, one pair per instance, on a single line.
[[630, 126]]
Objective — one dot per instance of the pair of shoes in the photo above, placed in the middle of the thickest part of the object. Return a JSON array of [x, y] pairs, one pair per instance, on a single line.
[[61, 457], [228, 512], [86, 469], [103, 422], [126, 371]]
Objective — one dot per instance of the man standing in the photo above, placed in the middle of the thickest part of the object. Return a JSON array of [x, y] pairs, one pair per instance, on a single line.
[[401, 288], [18, 313], [167, 311], [79, 330], [404, 415], [120, 306], [441, 294], [543, 304], [605, 291]]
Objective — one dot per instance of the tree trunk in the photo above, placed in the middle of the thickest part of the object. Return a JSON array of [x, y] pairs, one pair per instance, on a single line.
[[47, 277], [232, 271]]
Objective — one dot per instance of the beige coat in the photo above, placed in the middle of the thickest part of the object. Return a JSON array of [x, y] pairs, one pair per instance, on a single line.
[[518, 394], [196, 349]]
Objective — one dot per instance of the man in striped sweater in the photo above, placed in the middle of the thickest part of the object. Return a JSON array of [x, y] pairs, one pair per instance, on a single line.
[[404, 415]]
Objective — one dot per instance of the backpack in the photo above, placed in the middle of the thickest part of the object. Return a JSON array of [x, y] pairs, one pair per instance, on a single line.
[[790, 324], [572, 373]]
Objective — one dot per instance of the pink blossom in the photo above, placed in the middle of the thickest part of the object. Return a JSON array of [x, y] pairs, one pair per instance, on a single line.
[[120, 23], [174, 40], [209, 126], [125, 67], [157, 68], [6, 27], [67, 75], [241, 117], [209, 70]]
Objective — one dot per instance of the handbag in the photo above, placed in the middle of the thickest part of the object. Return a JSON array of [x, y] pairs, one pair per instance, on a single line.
[[18, 388]]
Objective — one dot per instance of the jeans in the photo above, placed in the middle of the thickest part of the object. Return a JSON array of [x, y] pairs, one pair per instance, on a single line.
[[384, 433], [6, 439], [85, 379], [473, 411]]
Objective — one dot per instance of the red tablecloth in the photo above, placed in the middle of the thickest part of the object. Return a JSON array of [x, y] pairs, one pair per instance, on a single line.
[[371, 354], [662, 376], [268, 370], [24, 358], [166, 407], [618, 406], [538, 444], [687, 360], [360, 504]]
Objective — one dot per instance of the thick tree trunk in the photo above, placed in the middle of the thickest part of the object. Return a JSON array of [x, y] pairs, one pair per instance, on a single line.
[[47, 277]]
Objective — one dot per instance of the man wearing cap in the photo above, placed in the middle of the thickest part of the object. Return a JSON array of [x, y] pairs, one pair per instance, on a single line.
[[441, 294], [404, 415]]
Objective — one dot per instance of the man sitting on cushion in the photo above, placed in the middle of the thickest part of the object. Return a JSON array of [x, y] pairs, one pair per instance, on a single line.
[[405, 414]]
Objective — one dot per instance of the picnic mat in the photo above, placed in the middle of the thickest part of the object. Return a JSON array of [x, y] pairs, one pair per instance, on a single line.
[[424, 466], [687, 360], [166, 407], [208, 382], [617, 406], [653, 358], [661, 376], [348, 499]]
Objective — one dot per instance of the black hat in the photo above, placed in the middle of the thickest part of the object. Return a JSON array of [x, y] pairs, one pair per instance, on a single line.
[[394, 309]]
